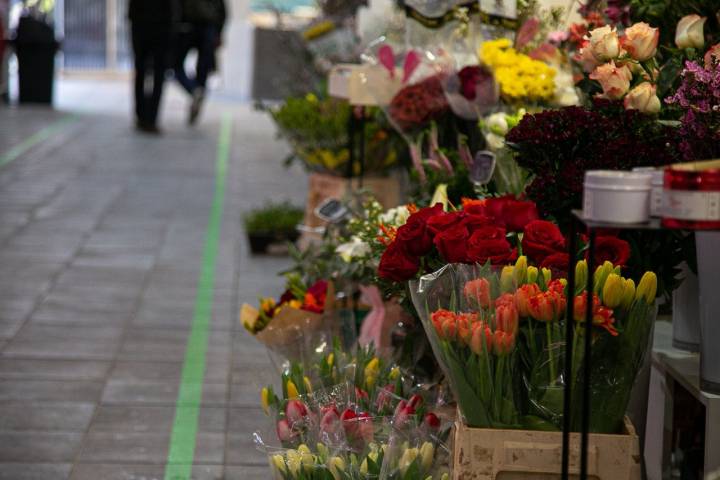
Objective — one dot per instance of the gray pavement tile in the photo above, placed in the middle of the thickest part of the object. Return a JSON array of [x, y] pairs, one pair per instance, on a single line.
[[132, 448], [248, 473], [133, 260], [39, 369], [93, 299], [44, 341], [65, 417], [141, 472], [248, 394], [103, 276], [240, 450], [49, 391], [8, 328], [72, 315], [216, 371], [39, 447], [35, 471], [158, 392], [169, 345], [150, 419]]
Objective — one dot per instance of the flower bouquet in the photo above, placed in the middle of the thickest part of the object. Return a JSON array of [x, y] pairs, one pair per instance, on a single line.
[[499, 334], [284, 325]]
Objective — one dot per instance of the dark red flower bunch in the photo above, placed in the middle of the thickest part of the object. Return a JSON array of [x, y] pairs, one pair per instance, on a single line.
[[471, 77], [415, 105], [559, 146]]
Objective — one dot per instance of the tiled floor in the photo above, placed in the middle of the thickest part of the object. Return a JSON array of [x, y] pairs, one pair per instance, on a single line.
[[101, 239]]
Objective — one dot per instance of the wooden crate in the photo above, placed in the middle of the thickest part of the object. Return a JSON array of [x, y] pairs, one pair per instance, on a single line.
[[487, 454]]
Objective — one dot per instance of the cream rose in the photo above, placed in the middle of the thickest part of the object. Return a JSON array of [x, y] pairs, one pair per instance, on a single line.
[[641, 41], [586, 59], [644, 98], [614, 80], [604, 43], [689, 32]]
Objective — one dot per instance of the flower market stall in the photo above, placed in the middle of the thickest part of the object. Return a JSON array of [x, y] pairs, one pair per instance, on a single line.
[[535, 184]]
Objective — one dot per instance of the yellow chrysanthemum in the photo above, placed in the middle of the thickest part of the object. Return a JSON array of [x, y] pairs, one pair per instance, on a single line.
[[520, 77]]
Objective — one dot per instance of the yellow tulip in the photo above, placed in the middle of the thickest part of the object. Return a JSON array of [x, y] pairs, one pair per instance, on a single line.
[[308, 385], [337, 465], [330, 359], [520, 273], [279, 463], [294, 462], [292, 390], [372, 370], [612, 292], [601, 275], [532, 274], [427, 452], [407, 458], [394, 373], [265, 400], [581, 274], [547, 275], [506, 279], [647, 288], [628, 293]]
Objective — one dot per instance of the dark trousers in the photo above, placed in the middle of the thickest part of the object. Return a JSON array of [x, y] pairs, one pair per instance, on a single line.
[[151, 43], [203, 38]]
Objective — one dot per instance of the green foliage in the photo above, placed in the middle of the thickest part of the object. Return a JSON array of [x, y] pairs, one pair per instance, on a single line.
[[665, 14], [280, 218]]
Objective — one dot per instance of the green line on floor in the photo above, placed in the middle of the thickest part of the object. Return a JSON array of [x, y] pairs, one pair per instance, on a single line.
[[38, 137], [181, 452]]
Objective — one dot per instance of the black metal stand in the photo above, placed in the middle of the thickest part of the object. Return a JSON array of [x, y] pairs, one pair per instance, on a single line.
[[592, 228]]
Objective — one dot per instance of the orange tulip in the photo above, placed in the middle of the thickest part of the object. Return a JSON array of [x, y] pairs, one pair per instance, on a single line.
[[507, 319], [504, 300], [477, 292], [503, 343], [481, 341], [523, 296], [547, 306], [438, 318]]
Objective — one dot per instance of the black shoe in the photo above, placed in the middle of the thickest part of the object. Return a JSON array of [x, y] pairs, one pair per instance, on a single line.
[[149, 128], [197, 102]]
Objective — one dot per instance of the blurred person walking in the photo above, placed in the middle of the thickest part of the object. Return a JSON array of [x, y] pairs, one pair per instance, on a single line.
[[152, 23], [200, 29]]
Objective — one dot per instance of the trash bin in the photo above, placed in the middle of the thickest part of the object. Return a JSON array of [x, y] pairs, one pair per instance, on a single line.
[[35, 47]]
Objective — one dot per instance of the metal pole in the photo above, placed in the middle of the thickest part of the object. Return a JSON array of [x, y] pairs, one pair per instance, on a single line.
[[588, 351], [569, 333]]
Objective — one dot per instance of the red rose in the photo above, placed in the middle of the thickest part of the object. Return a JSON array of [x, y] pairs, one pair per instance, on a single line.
[[507, 211], [452, 244], [518, 214], [558, 263], [613, 250], [440, 223], [397, 264], [474, 222], [490, 243], [422, 215], [415, 238], [541, 239]]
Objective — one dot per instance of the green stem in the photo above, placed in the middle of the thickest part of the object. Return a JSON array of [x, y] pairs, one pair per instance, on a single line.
[[551, 355]]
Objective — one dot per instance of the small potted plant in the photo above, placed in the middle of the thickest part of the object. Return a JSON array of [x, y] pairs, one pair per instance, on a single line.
[[273, 223]]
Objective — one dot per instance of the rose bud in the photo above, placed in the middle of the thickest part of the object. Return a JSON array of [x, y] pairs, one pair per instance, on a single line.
[[477, 292], [295, 411], [643, 98], [523, 296], [284, 432], [503, 343], [690, 32], [641, 41], [604, 43], [432, 421], [481, 342], [507, 319], [614, 80]]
